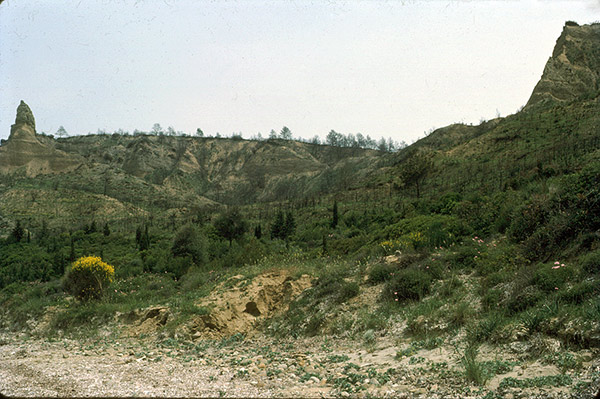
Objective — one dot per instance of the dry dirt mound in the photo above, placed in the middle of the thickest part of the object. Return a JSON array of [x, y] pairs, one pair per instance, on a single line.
[[237, 304]]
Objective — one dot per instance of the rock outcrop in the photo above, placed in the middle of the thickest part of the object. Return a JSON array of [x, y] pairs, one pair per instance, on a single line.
[[574, 68], [23, 149]]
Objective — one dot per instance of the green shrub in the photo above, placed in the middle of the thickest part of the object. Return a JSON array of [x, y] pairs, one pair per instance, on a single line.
[[484, 330], [408, 284], [521, 298], [88, 278], [313, 326], [347, 291], [380, 273], [450, 286], [528, 218], [552, 277], [435, 269], [590, 262], [492, 299], [459, 314], [463, 258], [578, 293], [436, 230]]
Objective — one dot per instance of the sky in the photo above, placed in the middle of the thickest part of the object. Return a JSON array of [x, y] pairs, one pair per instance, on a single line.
[[381, 68]]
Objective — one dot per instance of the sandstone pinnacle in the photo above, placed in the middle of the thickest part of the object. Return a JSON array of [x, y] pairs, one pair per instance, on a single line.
[[24, 115]]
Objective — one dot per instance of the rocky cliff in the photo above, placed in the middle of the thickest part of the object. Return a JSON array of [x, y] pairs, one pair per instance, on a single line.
[[574, 68], [24, 150]]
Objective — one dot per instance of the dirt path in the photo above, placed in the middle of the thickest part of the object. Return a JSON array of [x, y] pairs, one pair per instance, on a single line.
[[253, 368]]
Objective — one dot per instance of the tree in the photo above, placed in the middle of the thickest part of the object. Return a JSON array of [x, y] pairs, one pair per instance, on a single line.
[[92, 228], [285, 133], [171, 131], [334, 216], [272, 134], [230, 225], [258, 231], [189, 243], [284, 225], [145, 240], [61, 132], [289, 226], [414, 169], [199, 132], [333, 138], [17, 232], [157, 129], [277, 228]]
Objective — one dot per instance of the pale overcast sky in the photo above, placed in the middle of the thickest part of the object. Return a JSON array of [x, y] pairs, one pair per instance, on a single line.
[[382, 68]]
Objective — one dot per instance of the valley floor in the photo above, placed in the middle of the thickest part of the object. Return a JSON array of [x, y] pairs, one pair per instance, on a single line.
[[266, 367]]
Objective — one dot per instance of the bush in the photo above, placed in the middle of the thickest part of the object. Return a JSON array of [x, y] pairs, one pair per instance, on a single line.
[[591, 262], [463, 258], [380, 273], [578, 293], [88, 277], [521, 298], [408, 284], [550, 278], [347, 291]]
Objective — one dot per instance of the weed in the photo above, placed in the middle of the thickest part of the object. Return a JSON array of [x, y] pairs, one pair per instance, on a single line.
[[550, 380], [565, 361]]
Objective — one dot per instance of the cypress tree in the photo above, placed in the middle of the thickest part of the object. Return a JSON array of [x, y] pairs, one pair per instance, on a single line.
[[289, 225], [17, 233], [277, 228], [258, 231], [335, 217]]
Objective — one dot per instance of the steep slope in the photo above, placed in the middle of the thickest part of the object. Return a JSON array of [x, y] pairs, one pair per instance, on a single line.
[[574, 68], [139, 174], [556, 133]]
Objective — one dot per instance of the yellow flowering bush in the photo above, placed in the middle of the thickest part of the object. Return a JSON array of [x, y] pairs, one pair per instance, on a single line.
[[412, 240], [88, 277]]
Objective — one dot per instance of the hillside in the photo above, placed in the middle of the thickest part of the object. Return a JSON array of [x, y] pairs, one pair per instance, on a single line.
[[465, 265], [126, 178]]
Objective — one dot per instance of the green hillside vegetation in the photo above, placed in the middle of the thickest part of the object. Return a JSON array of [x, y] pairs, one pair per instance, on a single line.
[[488, 231]]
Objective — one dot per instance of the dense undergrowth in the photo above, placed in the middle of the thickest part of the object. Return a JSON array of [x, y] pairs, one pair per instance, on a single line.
[[487, 248]]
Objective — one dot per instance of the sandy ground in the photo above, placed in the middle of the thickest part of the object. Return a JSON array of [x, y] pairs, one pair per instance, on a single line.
[[320, 367]]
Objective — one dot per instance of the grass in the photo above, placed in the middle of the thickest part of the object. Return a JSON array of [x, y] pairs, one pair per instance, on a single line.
[[475, 371]]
